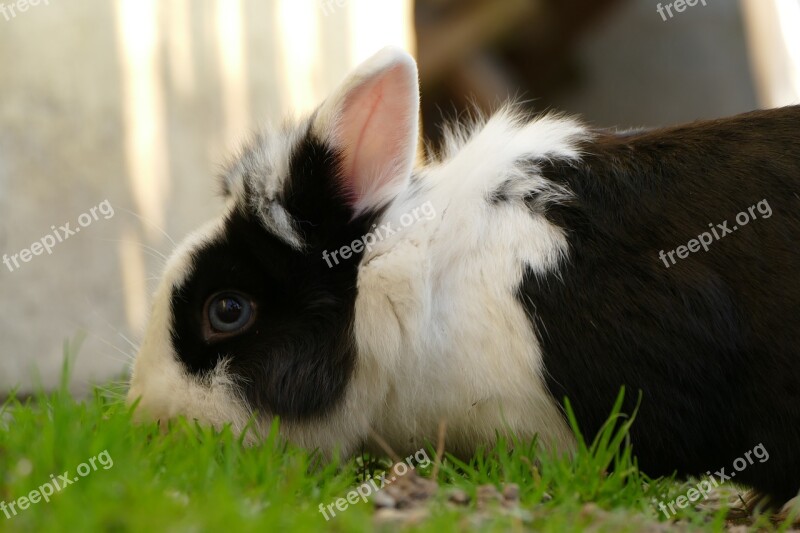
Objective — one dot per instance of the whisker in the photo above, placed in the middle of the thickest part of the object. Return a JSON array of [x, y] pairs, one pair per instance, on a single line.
[[152, 251], [117, 331], [128, 357], [110, 393], [126, 339], [143, 219], [106, 388]]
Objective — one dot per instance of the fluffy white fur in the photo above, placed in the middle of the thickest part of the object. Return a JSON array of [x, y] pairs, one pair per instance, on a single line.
[[439, 332], [436, 312]]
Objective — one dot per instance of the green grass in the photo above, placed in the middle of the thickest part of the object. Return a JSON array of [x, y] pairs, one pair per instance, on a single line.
[[195, 479]]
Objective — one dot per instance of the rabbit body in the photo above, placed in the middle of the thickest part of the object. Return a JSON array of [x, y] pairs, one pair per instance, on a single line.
[[533, 259]]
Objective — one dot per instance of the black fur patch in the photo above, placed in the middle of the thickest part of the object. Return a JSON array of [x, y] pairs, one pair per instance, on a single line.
[[713, 342], [501, 194], [297, 358]]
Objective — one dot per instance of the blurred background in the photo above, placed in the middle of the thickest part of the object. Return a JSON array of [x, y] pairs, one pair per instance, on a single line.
[[135, 104]]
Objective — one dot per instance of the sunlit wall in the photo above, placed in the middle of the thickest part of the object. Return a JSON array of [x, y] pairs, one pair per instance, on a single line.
[[774, 31]]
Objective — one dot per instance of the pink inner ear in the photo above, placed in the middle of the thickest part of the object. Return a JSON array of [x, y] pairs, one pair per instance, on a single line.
[[377, 133]]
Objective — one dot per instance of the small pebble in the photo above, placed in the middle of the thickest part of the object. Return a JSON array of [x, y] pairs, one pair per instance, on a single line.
[[383, 500], [458, 497]]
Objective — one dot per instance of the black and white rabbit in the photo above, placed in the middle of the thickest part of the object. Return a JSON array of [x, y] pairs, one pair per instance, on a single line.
[[344, 290]]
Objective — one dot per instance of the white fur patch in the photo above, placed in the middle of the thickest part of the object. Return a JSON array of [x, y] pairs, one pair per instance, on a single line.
[[439, 332], [437, 318]]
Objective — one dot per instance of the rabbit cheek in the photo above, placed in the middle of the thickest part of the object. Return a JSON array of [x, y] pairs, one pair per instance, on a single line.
[[161, 383], [166, 389]]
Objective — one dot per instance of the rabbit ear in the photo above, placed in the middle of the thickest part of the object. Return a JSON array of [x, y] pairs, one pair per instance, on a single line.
[[372, 122]]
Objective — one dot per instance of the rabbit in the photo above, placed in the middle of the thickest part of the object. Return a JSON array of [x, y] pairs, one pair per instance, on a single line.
[[351, 292]]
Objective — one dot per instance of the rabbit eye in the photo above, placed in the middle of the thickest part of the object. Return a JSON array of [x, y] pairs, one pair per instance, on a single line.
[[227, 314]]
